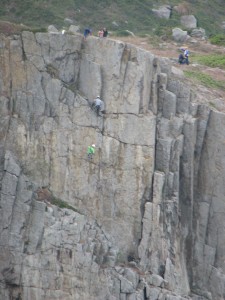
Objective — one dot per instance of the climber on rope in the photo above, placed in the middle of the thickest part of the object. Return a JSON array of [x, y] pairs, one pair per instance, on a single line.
[[91, 151], [98, 106]]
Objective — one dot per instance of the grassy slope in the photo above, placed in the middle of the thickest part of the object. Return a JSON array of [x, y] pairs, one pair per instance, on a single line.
[[134, 15]]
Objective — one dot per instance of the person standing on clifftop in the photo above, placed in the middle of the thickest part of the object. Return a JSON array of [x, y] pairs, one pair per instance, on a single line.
[[87, 32], [105, 32], [100, 33]]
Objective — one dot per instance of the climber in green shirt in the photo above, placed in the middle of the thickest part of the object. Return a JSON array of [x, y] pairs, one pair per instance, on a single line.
[[91, 151]]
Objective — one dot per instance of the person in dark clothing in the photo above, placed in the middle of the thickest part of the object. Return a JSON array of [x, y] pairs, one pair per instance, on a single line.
[[105, 32], [87, 32], [183, 57]]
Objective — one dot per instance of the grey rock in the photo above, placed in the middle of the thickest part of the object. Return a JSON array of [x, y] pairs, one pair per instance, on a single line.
[[223, 25], [169, 105], [179, 35], [198, 33], [68, 21], [156, 280], [114, 23], [126, 286], [177, 72], [152, 293], [163, 11], [188, 21], [52, 29], [130, 32], [132, 296], [74, 29]]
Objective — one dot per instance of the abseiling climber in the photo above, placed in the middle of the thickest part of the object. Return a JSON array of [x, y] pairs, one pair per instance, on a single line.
[[91, 151], [98, 105]]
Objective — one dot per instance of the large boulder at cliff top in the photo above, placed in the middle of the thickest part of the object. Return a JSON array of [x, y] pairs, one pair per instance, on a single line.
[[179, 35], [198, 33], [52, 28], [163, 11], [74, 29], [188, 21]]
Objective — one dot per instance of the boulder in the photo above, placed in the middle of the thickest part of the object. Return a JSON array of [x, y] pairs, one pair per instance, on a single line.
[[130, 33], [177, 72], [115, 24], [198, 33], [68, 21], [152, 293], [52, 28], [179, 35], [188, 21], [74, 29], [223, 25], [163, 11], [155, 280]]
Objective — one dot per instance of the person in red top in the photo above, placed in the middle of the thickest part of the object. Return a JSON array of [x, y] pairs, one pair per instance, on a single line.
[[100, 33]]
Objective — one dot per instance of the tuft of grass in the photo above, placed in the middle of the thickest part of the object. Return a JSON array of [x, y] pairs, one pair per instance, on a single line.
[[205, 79], [218, 39], [62, 204], [36, 29], [122, 33], [212, 60], [44, 194], [212, 104]]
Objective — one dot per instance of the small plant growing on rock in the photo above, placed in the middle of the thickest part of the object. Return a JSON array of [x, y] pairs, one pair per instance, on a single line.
[[43, 194]]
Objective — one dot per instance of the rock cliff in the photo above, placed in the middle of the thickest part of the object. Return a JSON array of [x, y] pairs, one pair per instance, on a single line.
[[145, 218]]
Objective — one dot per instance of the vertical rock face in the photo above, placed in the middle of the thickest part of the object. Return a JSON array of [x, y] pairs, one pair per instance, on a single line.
[[144, 218]]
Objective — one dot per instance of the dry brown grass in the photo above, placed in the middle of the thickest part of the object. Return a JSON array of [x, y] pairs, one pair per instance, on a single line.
[[183, 8], [8, 28]]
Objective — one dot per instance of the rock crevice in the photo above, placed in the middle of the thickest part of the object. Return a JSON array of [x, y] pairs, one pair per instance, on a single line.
[[144, 219]]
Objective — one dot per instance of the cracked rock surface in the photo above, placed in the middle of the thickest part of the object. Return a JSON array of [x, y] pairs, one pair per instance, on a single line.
[[145, 218]]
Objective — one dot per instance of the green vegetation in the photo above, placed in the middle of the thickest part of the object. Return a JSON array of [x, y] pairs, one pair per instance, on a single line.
[[218, 39], [212, 60], [212, 104], [205, 79], [62, 204], [122, 33], [132, 15]]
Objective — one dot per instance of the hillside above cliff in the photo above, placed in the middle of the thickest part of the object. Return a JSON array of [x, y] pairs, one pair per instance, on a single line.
[[135, 15]]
